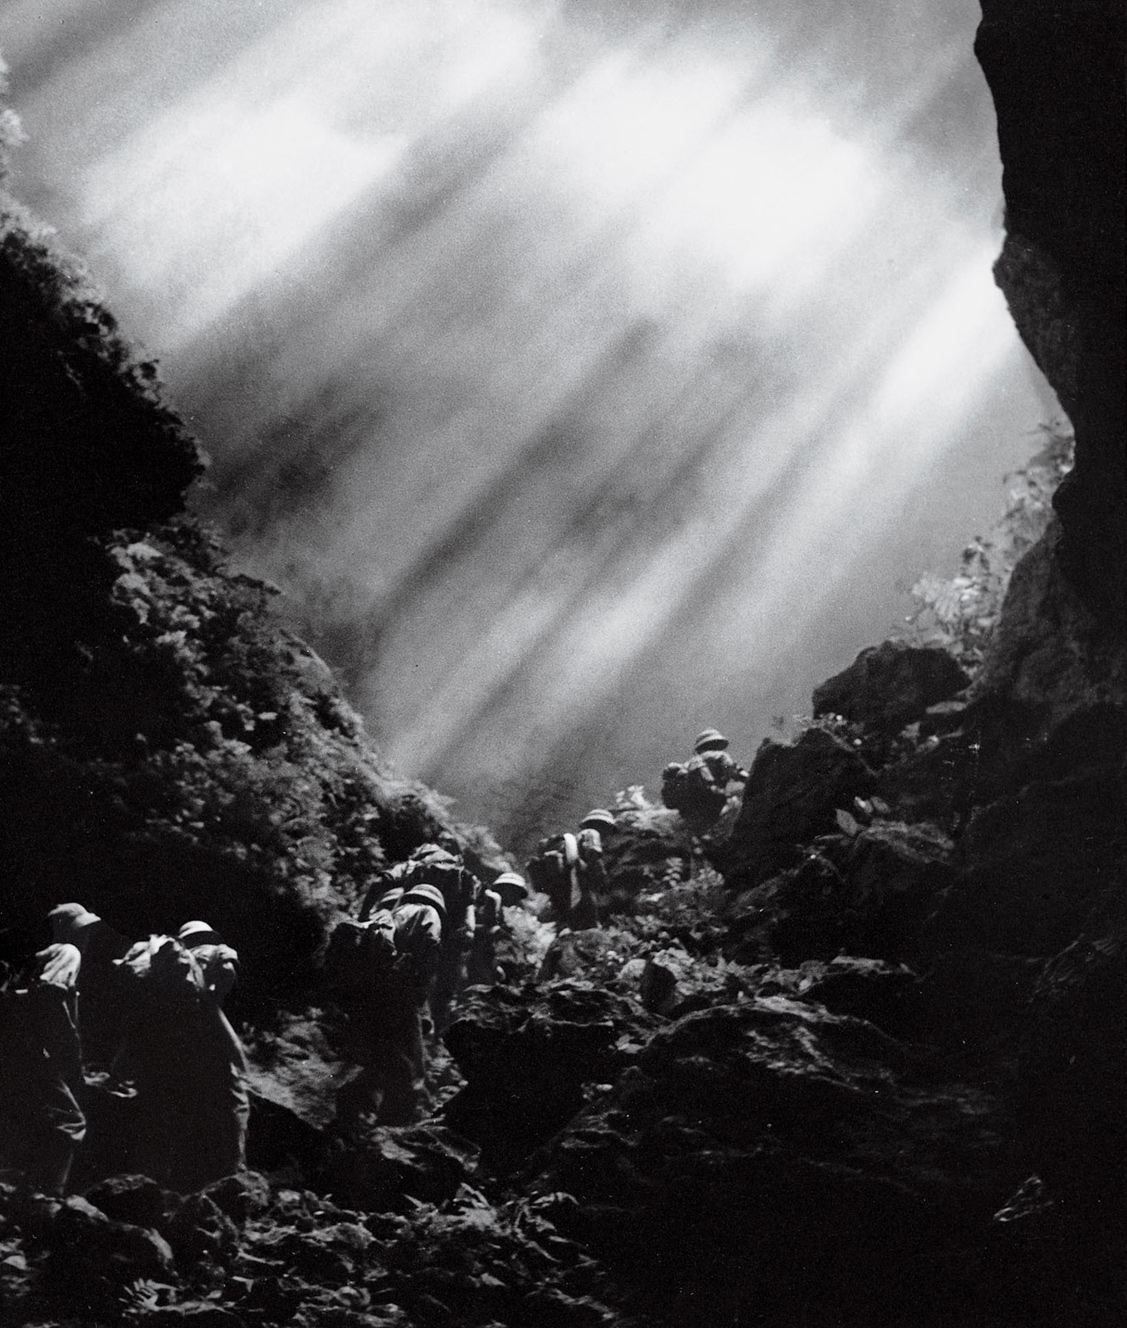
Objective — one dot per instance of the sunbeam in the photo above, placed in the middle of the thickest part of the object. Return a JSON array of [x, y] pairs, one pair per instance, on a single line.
[[572, 368]]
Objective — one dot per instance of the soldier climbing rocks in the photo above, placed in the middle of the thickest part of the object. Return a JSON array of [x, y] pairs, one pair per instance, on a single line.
[[698, 788], [41, 1086], [382, 972], [569, 870], [184, 1059]]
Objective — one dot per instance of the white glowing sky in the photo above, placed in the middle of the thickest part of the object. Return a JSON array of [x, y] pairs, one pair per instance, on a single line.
[[438, 233]]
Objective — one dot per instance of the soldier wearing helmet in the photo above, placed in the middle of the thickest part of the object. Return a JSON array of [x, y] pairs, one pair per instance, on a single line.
[[400, 874], [438, 864], [698, 788], [490, 902], [569, 869], [185, 1060], [511, 887], [481, 964], [41, 1122], [712, 747], [385, 1012], [594, 830], [222, 1106]]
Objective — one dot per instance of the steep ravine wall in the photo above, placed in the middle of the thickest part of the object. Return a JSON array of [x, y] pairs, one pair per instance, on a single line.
[[1056, 74]]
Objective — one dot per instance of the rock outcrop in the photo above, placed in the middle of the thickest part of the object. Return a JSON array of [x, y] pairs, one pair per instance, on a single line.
[[890, 685], [792, 795], [1056, 75]]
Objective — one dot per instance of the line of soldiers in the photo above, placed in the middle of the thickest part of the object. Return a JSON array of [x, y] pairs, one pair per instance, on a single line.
[[142, 1020], [427, 928]]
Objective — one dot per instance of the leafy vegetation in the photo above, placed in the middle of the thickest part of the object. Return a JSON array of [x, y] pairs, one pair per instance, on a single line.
[[960, 613], [167, 749]]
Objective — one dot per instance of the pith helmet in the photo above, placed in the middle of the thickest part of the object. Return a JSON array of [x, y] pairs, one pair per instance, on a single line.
[[196, 933], [433, 853], [390, 898], [710, 740], [425, 894], [67, 920], [511, 886], [598, 819]]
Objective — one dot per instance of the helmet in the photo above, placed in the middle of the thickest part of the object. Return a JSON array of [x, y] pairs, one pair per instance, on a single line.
[[68, 919], [196, 933], [432, 853], [425, 894], [710, 740], [511, 886], [599, 819]]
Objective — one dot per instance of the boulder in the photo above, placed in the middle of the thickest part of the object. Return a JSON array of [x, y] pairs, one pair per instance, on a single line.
[[791, 797], [651, 846], [1073, 1075], [528, 1055], [1052, 695], [571, 953], [201, 1234], [869, 894], [657, 988], [196, 1229], [890, 685], [896, 876], [297, 1067], [241, 1196], [1034, 865], [94, 1258], [137, 1200], [279, 1139], [391, 1167], [768, 1155], [886, 995]]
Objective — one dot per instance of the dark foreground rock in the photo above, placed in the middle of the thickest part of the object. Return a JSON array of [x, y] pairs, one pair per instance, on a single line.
[[868, 894], [770, 1159], [530, 1057]]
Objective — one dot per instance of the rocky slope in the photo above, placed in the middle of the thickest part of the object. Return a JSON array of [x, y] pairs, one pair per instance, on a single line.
[[855, 1058], [167, 749]]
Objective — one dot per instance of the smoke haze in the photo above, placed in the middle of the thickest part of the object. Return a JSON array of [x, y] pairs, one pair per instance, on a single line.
[[585, 373]]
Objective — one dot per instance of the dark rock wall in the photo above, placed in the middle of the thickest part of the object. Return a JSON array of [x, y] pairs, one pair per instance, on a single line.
[[1056, 74]]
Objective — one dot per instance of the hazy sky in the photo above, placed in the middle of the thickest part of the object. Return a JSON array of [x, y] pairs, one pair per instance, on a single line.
[[585, 372]]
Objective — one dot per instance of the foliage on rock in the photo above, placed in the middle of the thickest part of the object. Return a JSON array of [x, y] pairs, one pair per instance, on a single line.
[[961, 612], [167, 749]]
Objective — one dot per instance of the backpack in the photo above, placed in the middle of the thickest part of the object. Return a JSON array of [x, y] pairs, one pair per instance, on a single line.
[[451, 878], [359, 952], [674, 785], [163, 974], [554, 871], [692, 788]]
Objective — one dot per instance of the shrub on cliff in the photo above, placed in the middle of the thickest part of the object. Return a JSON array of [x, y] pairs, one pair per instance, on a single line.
[[191, 758], [960, 613]]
